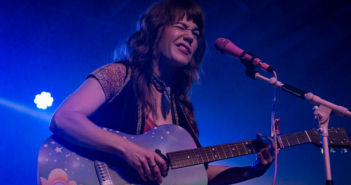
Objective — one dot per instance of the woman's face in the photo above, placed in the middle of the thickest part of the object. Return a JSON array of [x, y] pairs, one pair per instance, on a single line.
[[179, 42]]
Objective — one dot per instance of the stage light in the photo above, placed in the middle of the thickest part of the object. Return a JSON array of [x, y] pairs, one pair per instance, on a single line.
[[43, 100]]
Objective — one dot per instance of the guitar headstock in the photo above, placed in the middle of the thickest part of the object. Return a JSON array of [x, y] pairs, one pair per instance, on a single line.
[[338, 137]]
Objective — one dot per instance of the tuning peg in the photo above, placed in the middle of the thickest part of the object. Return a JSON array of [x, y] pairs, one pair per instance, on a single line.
[[344, 150], [332, 150]]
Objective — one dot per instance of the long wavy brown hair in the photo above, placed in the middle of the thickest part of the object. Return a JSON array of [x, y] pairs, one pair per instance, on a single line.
[[142, 50]]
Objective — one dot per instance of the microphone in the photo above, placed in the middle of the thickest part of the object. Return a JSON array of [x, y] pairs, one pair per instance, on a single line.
[[250, 60]]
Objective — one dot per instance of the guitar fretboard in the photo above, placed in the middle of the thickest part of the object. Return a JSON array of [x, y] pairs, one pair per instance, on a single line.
[[196, 156]]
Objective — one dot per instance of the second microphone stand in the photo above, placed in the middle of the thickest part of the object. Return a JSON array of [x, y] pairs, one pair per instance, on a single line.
[[322, 111]]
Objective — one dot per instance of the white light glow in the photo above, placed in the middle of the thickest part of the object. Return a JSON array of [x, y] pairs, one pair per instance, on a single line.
[[43, 100], [45, 116]]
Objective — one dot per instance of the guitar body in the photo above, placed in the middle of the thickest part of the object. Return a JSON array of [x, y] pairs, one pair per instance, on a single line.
[[63, 163]]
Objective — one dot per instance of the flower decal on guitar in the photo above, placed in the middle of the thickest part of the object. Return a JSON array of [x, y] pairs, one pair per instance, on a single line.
[[57, 177]]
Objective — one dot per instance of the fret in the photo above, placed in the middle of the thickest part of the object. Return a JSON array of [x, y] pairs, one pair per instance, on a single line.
[[178, 162], [237, 148], [283, 141], [297, 138], [253, 148], [292, 139], [225, 155], [215, 156], [241, 148], [192, 156], [247, 147], [204, 151], [222, 152], [171, 159], [180, 159], [228, 153], [198, 156], [175, 160], [219, 154], [244, 147], [195, 158], [309, 139], [286, 138], [202, 155], [188, 158], [184, 161], [228, 146], [234, 150], [209, 154], [301, 137]]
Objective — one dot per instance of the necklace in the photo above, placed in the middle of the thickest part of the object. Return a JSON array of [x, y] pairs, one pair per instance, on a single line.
[[165, 90]]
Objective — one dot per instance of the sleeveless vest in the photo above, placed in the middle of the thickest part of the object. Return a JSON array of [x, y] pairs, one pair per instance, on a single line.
[[124, 115]]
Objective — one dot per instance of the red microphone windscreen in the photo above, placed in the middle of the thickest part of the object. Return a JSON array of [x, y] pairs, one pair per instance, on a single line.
[[226, 47]]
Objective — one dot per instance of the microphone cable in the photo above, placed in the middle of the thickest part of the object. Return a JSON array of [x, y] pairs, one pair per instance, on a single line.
[[274, 132]]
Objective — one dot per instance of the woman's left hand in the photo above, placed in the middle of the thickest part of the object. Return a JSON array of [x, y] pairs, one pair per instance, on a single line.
[[265, 157]]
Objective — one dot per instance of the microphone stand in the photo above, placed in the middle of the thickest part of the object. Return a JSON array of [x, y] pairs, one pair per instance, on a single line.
[[322, 111]]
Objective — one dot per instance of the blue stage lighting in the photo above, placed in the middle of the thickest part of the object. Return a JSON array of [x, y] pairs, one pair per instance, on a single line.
[[43, 100]]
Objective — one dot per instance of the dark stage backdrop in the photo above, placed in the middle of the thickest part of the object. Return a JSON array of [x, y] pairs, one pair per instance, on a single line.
[[51, 45]]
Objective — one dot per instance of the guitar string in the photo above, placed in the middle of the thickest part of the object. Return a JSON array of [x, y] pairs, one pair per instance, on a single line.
[[300, 137], [223, 151], [179, 156], [187, 158], [294, 139], [241, 146]]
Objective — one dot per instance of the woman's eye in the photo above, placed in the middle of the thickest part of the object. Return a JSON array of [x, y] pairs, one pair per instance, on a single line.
[[180, 27], [196, 34]]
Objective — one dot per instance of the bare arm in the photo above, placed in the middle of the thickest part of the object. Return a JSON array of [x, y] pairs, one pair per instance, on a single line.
[[231, 175], [71, 123], [227, 175]]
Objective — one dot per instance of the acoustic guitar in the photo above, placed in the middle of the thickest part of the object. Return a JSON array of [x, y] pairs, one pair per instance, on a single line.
[[63, 163]]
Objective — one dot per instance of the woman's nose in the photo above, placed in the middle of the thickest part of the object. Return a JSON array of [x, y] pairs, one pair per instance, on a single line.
[[188, 37]]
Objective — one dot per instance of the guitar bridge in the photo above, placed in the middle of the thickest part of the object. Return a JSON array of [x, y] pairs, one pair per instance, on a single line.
[[102, 171]]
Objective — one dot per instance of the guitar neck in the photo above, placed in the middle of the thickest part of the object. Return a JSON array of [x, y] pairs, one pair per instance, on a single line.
[[196, 156]]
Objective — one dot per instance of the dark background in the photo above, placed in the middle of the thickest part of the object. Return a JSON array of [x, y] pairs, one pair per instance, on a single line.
[[51, 45]]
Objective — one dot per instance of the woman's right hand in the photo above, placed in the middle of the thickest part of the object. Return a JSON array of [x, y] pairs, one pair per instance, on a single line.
[[147, 162], [70, 122]]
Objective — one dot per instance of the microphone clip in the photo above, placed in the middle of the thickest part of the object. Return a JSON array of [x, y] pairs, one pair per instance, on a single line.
[[250, 68]]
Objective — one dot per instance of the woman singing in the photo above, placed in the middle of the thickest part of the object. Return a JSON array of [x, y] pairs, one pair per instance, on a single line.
[[148, 87]]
